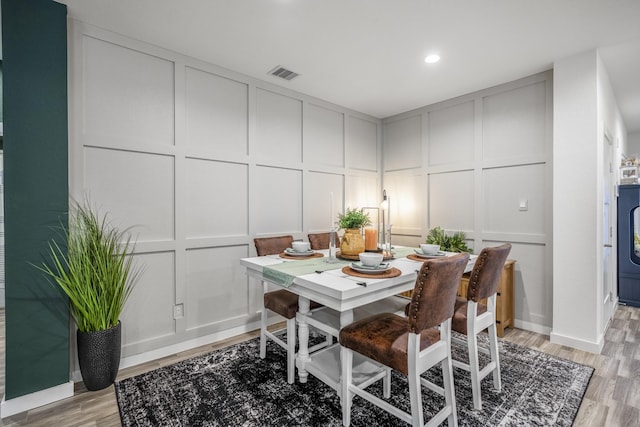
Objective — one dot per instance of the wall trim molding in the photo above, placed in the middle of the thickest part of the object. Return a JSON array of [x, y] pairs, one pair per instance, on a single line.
[[533, 327], [158, 353], [35, 399], [590, 346]]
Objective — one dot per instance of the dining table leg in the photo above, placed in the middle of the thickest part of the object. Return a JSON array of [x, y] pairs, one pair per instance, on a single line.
[[303, 338]]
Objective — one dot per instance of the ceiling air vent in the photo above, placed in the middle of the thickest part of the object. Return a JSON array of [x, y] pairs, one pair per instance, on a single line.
[[283, 73]]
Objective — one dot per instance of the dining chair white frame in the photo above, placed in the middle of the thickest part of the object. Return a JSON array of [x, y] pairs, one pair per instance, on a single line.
[[419, 362], [290, 343], [475, 325], [271, 246], [484, 279]]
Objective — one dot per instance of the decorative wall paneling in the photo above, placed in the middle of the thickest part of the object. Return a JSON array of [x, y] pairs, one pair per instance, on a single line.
[[199, 160], [468, 164]]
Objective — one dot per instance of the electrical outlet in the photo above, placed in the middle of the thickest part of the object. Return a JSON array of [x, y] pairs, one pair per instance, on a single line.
[[178, 311]]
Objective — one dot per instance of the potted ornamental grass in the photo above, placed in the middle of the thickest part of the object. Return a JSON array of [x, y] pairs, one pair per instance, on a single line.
[[95, 271], [352, 222]]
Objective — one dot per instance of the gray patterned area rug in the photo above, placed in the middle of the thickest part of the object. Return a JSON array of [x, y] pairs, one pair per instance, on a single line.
[[234, 387]]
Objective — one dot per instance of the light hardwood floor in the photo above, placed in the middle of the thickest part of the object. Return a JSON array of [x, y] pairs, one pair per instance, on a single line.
[[612, 398]]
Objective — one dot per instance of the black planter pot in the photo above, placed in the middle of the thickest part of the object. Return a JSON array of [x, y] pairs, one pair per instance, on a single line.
[[99, 357]]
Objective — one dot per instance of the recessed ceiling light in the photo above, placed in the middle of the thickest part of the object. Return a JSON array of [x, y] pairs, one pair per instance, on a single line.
[[432, 59]]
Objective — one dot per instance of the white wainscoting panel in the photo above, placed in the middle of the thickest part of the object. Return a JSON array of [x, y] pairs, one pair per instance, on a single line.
[[200, 160], [137, 189], [323, 136], [216, 286], [129, 95], [504, 190], [531, 304], [362, 190], [407, 194], [452, 134], [278, 127], [148, 314], [216, 112], [484, 153], [452, 200], [362, 147], [278, 200], [320, 191], [217, 196], [514, 122], [403, 143]]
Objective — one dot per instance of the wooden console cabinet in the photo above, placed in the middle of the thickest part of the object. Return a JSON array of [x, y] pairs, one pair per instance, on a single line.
[[504, 299]]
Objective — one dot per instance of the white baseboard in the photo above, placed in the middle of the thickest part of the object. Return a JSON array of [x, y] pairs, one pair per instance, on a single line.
[[33, 400], [148, 356], [533, 327], [590, 346]]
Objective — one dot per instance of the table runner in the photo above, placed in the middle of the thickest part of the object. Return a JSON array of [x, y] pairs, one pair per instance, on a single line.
[[285, 273]]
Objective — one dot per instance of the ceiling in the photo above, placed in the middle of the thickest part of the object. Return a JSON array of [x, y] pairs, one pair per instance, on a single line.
[[368, 55]]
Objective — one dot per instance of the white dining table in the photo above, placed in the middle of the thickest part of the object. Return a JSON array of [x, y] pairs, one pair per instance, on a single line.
[[345, 298]]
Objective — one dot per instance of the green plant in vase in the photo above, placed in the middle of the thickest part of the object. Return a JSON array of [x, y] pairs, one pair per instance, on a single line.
[[449, 243], [352, 221], [353, 218], [95, 272]]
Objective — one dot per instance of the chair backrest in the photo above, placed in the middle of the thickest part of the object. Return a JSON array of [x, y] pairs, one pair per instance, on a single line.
[[486, 272], [434, 294], [272, 245], [321, 240]]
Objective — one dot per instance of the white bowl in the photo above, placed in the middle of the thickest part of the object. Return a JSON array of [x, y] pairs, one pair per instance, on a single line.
[[370, 259], [300, 246], [429, 249]]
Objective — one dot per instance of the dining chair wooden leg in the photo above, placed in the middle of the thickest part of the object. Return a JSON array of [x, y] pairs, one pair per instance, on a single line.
[[346, 396], [449, 391], [291, 350], [415, 386], [495, 356], [474, 368], [263, 329], [386, 384]]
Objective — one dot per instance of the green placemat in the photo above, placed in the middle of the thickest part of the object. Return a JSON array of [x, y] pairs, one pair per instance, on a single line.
[[283, 274]]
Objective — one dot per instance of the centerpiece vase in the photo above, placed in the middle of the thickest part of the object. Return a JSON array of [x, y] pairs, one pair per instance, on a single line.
[[352, 242]]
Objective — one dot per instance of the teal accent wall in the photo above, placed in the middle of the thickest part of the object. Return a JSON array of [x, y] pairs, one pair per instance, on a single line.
[[1, 101], [34, 48]]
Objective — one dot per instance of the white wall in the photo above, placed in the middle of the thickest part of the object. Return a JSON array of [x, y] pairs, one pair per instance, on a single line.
[[584, 109], [199, 160], [467, 164]]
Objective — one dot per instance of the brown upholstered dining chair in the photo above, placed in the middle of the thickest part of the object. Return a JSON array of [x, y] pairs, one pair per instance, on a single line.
[[321, 240], [410, 345], [281, 302], [472, 317]]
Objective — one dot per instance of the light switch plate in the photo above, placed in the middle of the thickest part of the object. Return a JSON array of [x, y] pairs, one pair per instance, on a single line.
[[178, 311]]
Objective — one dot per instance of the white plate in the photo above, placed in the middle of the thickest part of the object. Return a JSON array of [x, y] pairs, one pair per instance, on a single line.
[[436, 255], [370, 270], [291, 252]]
